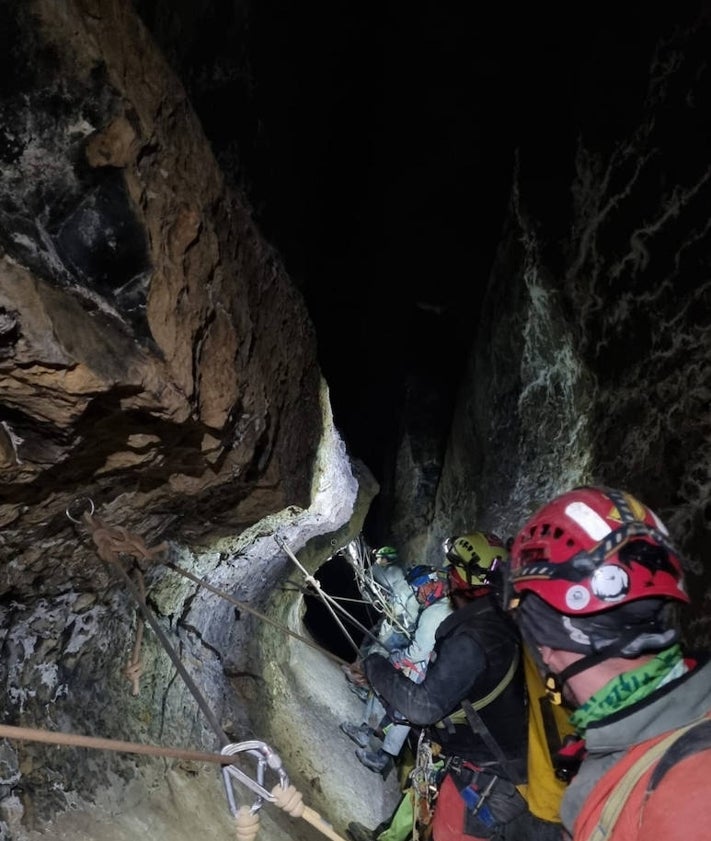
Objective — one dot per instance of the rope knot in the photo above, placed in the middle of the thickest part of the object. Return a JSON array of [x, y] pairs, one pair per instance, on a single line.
[[246, 824], [133, 672], [289, 799]]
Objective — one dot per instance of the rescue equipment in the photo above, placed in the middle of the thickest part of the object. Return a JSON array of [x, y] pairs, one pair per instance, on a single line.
[[113, 544], [548, 728]]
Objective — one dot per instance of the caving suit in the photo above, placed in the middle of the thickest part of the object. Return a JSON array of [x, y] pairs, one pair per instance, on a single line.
[[476, 651], [412, 661], [672, 800]]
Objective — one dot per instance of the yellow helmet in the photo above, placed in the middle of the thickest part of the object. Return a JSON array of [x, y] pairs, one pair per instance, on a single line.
[[473, 558]]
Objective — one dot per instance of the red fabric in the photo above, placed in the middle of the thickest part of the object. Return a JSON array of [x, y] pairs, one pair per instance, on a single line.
[[679, 809], [450, 813]]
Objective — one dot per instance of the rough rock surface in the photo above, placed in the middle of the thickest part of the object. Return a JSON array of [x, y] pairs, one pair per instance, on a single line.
[[592, 359], [153, 349], [158, 365], [158, 375]]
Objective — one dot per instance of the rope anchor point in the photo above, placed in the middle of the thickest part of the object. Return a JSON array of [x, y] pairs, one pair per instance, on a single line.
[[80, 506]]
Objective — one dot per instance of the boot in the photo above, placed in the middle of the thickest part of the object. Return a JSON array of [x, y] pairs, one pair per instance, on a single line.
[[360, 691], [377, 761], [360, 733], [358, 832]]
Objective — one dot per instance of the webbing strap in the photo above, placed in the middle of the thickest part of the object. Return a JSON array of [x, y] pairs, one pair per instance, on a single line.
[[693, 741], [460, 717], [550, 727], [618, 796]]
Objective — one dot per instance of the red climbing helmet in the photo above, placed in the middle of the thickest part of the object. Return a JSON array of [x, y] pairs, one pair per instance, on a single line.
[[593, 549]]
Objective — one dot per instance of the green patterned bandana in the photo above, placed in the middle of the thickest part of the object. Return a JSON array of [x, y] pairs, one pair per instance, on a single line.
[[629, 688]]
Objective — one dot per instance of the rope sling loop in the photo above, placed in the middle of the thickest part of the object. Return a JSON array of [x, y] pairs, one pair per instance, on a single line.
[[284, 795], [356, 553], [121, 541], [134, 667], [111, 543], [327, 600]]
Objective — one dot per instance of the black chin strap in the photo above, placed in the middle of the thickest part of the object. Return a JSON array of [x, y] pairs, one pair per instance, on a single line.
[[556, 682], [584, 663]]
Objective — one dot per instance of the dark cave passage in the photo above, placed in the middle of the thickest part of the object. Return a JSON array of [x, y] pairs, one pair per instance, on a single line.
[[337, 580]]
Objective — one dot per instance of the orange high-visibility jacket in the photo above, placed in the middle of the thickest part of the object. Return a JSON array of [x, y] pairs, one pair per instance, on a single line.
[[668, 801]]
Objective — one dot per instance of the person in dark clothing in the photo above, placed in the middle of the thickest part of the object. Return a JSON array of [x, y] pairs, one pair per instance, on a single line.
[[472, 702]]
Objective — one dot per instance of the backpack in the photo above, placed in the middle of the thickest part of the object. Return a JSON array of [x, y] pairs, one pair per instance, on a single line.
[[456, 819], [548, 725]]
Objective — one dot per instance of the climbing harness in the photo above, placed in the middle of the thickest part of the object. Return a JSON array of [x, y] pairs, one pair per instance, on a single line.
[[462, 716], [424, 781]]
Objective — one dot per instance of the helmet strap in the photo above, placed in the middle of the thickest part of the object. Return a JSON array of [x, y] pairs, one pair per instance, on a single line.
[[590, 660], [578, 666], [471, 593], [554, 683]]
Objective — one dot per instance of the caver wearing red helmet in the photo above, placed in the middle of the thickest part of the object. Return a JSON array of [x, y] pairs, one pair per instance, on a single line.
[[595, 572], [599, 584], [592, 549]]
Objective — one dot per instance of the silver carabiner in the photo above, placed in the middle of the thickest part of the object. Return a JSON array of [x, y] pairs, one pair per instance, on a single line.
[[266, 758]]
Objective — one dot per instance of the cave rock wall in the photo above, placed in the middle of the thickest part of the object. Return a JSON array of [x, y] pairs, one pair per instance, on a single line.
[[158, 380], [592, 359]]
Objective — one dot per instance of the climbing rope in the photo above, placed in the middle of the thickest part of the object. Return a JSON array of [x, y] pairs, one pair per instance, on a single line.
[[247, 609], [284, 795], [291, 801], [28, 734], [357, 554], [111, 545], [327, 600], [134, 667]]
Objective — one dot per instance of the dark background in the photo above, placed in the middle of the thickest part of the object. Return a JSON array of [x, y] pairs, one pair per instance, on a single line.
[[377, 148]]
